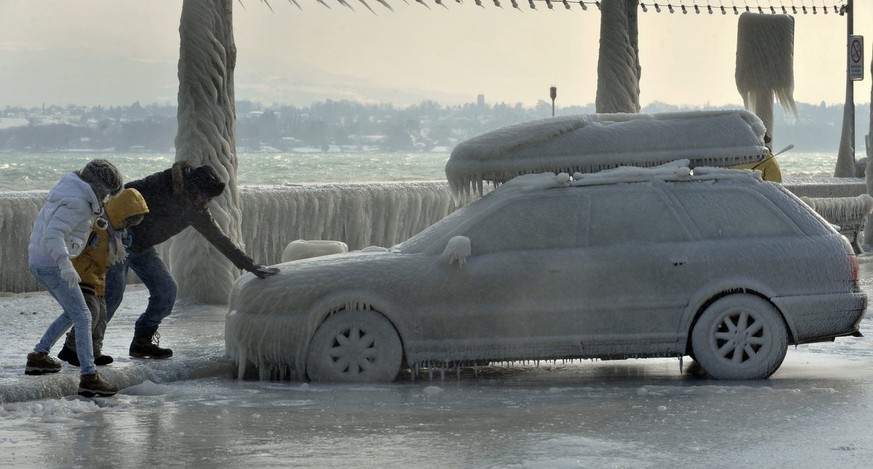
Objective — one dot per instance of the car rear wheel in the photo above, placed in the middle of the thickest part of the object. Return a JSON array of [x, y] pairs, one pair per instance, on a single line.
[[740, 337], [355, 346]]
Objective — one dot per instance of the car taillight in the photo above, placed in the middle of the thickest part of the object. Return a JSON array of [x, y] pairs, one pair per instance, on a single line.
[[854, 261]]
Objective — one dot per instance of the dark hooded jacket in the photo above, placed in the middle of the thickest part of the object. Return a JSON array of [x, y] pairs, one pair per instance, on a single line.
[[170, 195]]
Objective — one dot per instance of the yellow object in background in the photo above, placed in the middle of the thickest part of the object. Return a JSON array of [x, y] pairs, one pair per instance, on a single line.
[[769, 168]]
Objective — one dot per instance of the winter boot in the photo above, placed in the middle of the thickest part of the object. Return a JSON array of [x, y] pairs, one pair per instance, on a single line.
[[101, 360], [146, 346], [69, 355], [40, 364], [93, 385]]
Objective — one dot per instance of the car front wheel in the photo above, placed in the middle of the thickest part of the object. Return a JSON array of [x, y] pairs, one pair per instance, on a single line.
[[740, 337], [355, 346]]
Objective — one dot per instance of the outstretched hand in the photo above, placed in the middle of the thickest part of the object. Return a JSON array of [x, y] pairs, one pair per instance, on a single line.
[[262, 271]]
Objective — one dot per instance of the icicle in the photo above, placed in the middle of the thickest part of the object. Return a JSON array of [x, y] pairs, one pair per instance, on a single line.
[[364, 2]]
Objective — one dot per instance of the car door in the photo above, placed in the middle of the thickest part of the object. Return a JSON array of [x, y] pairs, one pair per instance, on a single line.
[[512, 298], [632, 273]]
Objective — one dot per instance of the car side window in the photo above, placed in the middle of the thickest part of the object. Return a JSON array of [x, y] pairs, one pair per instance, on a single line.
[[548, 221], [633, 215], [734, 213]]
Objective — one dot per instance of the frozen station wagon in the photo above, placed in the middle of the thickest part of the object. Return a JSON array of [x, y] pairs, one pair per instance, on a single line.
[[710, 263]]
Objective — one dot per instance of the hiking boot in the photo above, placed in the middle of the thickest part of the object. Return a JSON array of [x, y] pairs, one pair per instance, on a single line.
[[40, 364], [101, 360], [69, 355], [93, 385], [146, 346]]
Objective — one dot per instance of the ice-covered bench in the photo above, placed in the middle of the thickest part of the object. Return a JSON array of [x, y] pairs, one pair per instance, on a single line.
[[847, 213]]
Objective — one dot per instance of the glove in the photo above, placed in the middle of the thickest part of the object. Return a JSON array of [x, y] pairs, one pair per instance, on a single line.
[[69, 274], [262, 271]]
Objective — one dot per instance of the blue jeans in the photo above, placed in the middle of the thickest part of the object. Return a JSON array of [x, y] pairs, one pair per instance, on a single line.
[[75, 313], [155, 275]]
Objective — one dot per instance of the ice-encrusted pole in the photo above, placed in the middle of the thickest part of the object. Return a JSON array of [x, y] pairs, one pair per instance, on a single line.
[[618, 63], [869, 136], [206, 136], [846, 153], [868, 174], [765, 64]]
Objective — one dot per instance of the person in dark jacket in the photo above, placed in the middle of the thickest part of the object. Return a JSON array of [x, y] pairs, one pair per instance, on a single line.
[[177, 198]]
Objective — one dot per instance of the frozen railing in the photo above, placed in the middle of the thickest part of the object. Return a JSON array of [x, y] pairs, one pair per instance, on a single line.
[[848, 214], [358, 214]]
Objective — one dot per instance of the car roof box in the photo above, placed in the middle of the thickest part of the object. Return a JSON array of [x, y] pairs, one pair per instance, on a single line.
[[588, 143]]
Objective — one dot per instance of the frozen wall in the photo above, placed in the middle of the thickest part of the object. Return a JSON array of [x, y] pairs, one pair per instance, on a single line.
[[360, 215]]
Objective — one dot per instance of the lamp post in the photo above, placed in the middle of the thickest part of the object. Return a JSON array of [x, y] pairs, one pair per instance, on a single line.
[[846, 154], [553, 92]]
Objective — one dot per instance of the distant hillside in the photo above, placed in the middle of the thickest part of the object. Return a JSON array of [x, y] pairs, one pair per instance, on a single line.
[[353, 126]]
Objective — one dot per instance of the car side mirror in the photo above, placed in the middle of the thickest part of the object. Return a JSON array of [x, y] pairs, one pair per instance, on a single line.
[[457, 250]]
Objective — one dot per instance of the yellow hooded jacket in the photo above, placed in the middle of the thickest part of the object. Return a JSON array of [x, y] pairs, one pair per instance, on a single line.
[[769, 168], [105, 246]]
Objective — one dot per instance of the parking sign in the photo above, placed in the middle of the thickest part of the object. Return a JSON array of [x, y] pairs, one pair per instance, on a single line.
[[856, 58]]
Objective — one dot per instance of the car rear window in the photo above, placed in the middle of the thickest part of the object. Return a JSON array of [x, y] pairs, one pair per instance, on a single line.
[[735, 212]]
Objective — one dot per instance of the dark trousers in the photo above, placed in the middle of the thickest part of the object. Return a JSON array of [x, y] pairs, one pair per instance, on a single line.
[[155, 275]]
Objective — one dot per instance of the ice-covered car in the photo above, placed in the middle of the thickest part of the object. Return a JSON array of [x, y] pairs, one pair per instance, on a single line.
[[666, 262]]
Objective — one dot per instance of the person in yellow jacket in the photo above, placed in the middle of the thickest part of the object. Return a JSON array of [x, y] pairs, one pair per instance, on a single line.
[[106, 245], [769, 168]]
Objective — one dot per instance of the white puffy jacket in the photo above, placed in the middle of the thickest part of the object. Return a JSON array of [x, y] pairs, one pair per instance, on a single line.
[[63, 223]]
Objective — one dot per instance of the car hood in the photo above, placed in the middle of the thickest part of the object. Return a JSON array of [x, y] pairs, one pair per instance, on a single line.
[[303, 279]]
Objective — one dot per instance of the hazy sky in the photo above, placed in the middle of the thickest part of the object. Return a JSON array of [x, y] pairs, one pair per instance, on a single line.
[[114, 52]]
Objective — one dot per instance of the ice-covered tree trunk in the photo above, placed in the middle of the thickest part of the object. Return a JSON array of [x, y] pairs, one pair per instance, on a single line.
[[845, 167], [869, 137], [618, 63], [764, 110], [765, 64], [868, 173], [206, 135]]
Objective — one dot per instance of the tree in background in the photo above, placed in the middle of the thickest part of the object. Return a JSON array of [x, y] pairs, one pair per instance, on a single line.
[[765, 65]]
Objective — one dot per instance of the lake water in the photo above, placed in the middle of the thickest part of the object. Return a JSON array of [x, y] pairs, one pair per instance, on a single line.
[[40, 171]]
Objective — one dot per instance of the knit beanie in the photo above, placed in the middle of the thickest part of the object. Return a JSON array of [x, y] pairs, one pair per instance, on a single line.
[[206, 180], [103, 177]]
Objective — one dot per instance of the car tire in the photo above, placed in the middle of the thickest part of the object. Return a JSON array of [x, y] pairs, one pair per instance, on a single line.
[[740, 337], [355, 346]]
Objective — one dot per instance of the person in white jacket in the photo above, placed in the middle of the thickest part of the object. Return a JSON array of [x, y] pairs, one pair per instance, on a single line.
[[59, 234]]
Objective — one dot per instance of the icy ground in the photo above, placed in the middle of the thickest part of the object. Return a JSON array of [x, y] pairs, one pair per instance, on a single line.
[[188, 412]]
